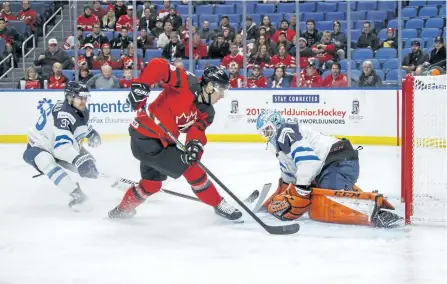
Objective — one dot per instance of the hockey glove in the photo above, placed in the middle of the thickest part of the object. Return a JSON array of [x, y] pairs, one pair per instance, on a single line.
[[138, 95], [193, 151], [291, 204], [86, 166], [94, 140]]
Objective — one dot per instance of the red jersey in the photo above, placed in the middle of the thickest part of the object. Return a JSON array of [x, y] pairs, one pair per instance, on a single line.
[[128, 62], [87, 23], [307, 81], [57, 83], [35, 84], [239, 59], [99, 13], [8, 17], [176, 106], [107, 61], [258, 82], [125, 83], [236, 82], [289, 35], [29, 17], [328, 53], [289, 61], [199, 51], [340, 81], [126, 21]]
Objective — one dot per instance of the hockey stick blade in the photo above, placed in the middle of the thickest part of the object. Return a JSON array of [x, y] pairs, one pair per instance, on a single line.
[[265, 190]]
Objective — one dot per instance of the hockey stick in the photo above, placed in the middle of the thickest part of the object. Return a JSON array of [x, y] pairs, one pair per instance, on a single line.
[[274, 230]]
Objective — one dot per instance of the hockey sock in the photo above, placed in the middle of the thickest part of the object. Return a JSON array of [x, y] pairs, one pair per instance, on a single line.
[[202, 186], [138, 193]]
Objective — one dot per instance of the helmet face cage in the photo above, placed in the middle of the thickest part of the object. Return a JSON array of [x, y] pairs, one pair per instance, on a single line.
[[76, 90], [268, 123]]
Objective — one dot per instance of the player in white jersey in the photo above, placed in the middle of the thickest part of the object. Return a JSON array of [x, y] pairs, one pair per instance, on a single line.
[[55, 139], [318, 174]]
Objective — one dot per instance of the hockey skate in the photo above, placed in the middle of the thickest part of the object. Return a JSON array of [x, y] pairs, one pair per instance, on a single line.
[[386, 219], [227, 211], [79, 201], [117, 213]]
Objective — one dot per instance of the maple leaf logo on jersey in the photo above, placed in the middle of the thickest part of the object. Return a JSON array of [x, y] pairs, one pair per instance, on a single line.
[[185, 121]]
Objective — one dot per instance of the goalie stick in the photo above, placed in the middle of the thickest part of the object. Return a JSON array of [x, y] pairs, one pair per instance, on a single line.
[[274, 230]]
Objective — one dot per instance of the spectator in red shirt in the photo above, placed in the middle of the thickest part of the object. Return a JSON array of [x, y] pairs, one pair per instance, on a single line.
[[234, 56], [283, 59], [106, 58], [127, 79], [236, 80], [129, 60], [199, 50], [309, 77], [57, 80], [283, 40], [87, 19], [257, 79], [165, 10], [6, 13], [336, 78], [98, 10], [325, 50], [31, 79], [261, 58], [305, 52], [27, 15], [127, 21], [284, 28]]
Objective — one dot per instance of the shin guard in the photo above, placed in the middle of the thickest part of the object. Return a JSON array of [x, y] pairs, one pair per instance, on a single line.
[[138, 193], [202, 186]]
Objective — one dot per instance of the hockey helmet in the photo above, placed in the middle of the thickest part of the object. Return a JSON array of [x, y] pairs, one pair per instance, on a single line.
[[217, 77], [74, 89], [268, 123]]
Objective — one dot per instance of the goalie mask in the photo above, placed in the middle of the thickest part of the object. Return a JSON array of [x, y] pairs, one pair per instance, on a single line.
[[268, 123]]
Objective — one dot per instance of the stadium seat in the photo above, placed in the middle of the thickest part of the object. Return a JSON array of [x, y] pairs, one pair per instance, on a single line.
[[442, 12], [224, 9], [335, 16], [387, 6], [427, 12], [69, 74], [265, 8], [115, 53], [236, 26], [208, 17], [436, 2], [409, 33], [430, 43], [405, 51], [183, 9], [344, 64], [276, 17], [366, 5], [70, 52], [256, 19], [429, 33], [358, 15], [380, 73], [408, 42], [428, 50], [198, 72], [414, 24], [95, 72], [118, 73], [316, 16], [152, 53], [434, 23], [444, 33], [392, 75], [250, 7], [20, 27], [213, 26], [286, 8], [307, 7], [204, 9], [355, 74], [186, 64], [383, 54], [326, 7], [324, 25], [108, 34], [416, 3], [392, 63], [203, 63], [383, 34], [234, 18], [361, 54], [394, 23], [195, 19], [268, 72], [343, 6], [359, 24], [375, 63], [409, 12], [376, 15], [325, 74], [355, 34], [2, 45]]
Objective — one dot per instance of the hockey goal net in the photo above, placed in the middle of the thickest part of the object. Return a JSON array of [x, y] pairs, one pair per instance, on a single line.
[[424, 152]]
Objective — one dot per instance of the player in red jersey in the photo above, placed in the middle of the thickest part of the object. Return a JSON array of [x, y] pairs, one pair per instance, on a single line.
[[184, 106]]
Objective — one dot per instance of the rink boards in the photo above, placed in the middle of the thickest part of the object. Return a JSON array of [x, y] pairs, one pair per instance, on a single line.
[[369, 116]]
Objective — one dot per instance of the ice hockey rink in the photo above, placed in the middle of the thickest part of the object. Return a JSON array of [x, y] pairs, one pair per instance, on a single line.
[[173, 240]]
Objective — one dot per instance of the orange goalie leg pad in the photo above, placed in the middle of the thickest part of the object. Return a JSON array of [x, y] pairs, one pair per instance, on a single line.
[[344, 207], [386, 203]]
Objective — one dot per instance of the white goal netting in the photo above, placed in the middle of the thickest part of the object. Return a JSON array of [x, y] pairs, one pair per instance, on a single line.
[[429, 157]]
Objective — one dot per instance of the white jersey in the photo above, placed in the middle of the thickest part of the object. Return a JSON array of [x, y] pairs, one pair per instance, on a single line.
[[59, 131], [301, 152]]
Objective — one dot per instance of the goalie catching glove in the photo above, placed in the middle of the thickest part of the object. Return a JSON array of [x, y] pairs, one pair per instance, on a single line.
[[138, 95], [290, 204]]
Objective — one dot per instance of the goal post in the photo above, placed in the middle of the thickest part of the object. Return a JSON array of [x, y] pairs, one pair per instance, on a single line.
[[424, 152]]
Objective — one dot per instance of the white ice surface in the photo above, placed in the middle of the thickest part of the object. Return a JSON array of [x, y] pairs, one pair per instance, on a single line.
[[172, 240]]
